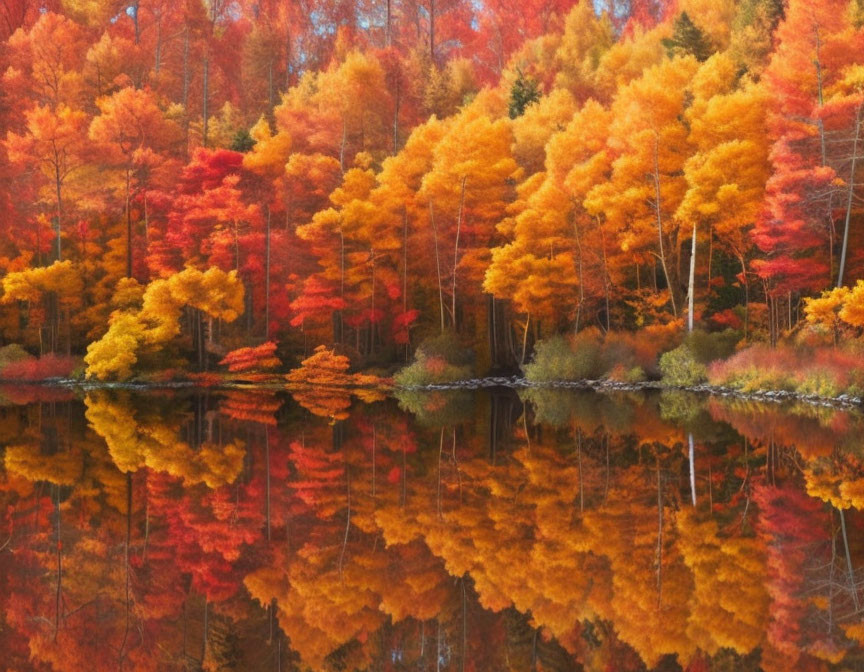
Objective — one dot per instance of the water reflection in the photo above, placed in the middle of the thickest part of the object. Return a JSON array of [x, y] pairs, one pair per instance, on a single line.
[[549, 530]]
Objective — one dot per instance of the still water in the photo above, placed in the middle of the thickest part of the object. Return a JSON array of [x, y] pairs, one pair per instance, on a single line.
[[544, 530]]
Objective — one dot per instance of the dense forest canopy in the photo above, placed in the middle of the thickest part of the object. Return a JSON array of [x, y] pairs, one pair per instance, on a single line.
[[179, 180]]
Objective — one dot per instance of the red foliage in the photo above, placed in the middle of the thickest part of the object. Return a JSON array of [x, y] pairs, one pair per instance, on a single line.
[[727, 318], [785, 367], [402, 325], [47, 366], [205, 378], [244, 360]]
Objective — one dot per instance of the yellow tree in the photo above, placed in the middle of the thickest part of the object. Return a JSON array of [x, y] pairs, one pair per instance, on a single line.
[[824, 311], [538, 270], [586, 38], [57, 288], [355, 92], [468, 188], [727, 172], [578, 159], [399, 206], [335, 236], [650, 135], [852, 312], [142, 332], [541, 121]]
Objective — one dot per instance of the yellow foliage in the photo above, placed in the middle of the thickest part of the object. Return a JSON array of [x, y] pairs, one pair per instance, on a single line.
[[63, 468], [61, 277], [852, 312], [128, 294], [154, 441], [157, 321], [270, 153], [824, 311], [532, 130]]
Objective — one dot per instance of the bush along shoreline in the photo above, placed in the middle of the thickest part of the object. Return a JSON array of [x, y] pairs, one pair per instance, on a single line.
[[605, 385], [717, 363], [802, 369]]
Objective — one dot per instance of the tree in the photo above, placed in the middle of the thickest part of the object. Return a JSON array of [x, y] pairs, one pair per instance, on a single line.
[[727, 127], [812, 154], [57, 287], [468, 188], [54, 141], [824, 311], [647, 182], [523, 93], [143, 332], [686, 39], [46, 59], [129, 123]]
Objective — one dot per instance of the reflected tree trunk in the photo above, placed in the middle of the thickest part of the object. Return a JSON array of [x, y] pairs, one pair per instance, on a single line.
[[692, 458]]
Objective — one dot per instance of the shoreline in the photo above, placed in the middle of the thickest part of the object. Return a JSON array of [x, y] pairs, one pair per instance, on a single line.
[[489, 382], [773, 396]]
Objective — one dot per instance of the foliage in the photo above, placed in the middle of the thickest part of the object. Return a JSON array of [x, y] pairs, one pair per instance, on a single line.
[[681, 367], [42, 368], [835, 309], [590, 355], [505, 172], [822, 372], [12, 354], [688, 363], [326, 368], [245, 360], [562, 358], [441, 359], [523, 93], [144, 331], [707, 347]]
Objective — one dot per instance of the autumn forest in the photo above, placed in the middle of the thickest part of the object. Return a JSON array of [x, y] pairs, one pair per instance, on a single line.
[[189, 184], [452, 335]]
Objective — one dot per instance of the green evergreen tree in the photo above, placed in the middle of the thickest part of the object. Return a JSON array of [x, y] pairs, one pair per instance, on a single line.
[[688, 38], [523, 93], [242, 141]]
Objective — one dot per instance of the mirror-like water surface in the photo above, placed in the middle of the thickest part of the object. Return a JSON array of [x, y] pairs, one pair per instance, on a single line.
[[241, 530]]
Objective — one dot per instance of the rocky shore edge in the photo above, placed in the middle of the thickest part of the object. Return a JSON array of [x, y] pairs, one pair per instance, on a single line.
[[514, 382], [773, 396]]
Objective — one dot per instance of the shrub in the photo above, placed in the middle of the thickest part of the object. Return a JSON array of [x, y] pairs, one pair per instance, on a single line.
[[680, 367], [589, 355], [618, 352], [708, 347], [47, 366], [426, 370], [253, 360], [562, 358], [12, 354], [623, 374], [447, 347], [441, 359], [756, 368], [825, 372]]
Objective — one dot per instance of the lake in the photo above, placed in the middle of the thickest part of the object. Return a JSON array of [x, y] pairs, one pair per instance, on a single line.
[[490, 530]]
